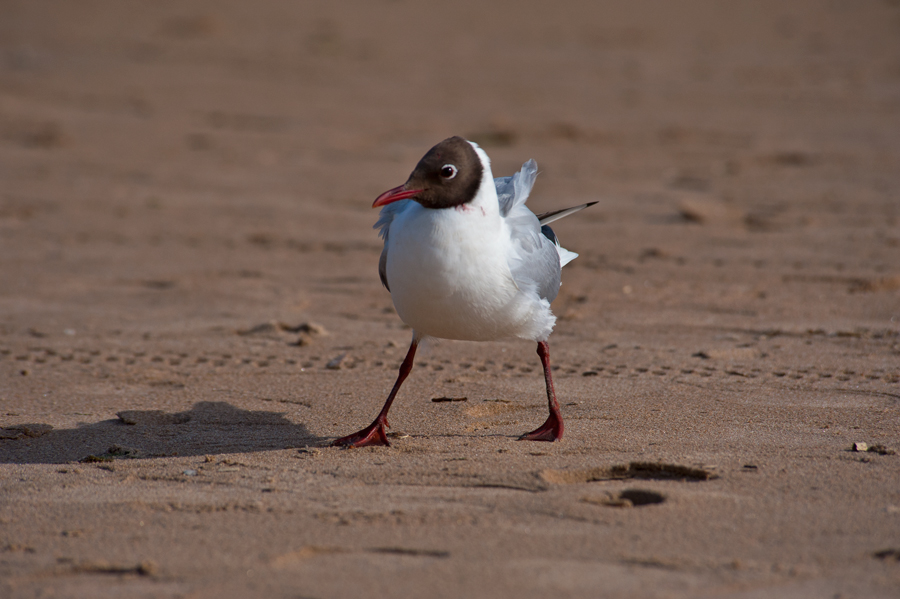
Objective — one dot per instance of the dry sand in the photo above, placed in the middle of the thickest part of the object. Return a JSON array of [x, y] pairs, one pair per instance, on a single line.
[[183, 185]]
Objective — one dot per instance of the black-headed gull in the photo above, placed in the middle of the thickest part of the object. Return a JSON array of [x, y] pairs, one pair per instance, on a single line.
[[464, 258]]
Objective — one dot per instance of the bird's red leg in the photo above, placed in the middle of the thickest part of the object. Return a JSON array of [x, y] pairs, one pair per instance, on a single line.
[[552, 429], [374, 434]]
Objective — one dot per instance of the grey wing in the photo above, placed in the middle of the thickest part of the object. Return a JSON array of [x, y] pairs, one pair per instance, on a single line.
[[383, 224], [535, 263], [545, 270], [386, 217], [538, 259], [513, 191]]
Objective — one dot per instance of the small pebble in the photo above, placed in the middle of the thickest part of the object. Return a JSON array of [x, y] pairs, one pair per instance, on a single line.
[[335, 363]]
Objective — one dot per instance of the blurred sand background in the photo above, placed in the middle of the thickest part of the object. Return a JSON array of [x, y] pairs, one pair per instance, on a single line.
[[190, 308]]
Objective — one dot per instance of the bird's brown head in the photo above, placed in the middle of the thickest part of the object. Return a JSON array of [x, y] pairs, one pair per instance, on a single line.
[[448, 175]]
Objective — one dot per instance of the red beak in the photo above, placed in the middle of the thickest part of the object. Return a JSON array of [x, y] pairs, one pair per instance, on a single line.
[[394, 195]]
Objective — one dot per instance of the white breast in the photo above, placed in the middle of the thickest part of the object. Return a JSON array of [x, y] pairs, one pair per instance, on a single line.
[[450, 277]]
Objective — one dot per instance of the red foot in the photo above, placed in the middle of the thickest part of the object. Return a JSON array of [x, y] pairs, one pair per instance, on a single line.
[[372, 435], [552, 430]]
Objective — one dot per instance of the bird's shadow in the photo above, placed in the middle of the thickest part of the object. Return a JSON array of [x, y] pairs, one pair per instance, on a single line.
[[207, 428]]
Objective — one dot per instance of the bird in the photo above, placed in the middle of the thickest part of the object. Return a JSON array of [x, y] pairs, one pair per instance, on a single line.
[[465, 259]]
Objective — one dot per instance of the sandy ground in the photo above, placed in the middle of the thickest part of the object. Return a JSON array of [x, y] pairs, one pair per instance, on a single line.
[[188, 293]]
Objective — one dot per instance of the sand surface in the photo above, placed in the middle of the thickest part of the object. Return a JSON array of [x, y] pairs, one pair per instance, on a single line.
[[189, 294]]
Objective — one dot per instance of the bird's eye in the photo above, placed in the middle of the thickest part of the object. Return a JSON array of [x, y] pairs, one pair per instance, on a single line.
[[448, 171]]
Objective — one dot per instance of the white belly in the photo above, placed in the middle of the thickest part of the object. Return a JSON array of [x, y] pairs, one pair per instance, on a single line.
[[450, 278]]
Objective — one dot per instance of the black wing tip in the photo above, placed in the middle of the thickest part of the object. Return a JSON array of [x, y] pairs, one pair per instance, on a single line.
[[553, 215], [549, 234]]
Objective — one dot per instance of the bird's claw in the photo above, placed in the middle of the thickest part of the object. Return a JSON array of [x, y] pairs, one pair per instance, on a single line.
[[372, 435], [551, 430]]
